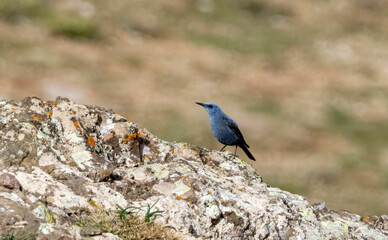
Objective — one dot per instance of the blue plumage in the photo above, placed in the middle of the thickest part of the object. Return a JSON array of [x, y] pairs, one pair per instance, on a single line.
[[225, 129]]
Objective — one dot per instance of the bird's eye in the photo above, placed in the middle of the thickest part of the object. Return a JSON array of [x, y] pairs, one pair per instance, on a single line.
[[210, 106]]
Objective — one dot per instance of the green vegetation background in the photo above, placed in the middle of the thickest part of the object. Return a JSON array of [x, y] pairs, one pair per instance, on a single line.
[[306, 80]]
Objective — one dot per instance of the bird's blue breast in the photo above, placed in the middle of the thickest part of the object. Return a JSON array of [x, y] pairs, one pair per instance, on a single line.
[[222, 132]]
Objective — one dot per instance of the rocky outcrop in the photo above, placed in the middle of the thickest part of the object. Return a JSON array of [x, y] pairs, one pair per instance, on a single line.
[[65, 158]]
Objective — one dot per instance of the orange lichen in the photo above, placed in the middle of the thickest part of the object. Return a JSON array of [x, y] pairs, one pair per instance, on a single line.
[[189, 186], [172, 150], [50, 114], [13, 109], [147, 156], [105, 172], [209, 192], [37, 118], [133, 136], [128, 120], [125, 141], [26, 106], [179, 198], [244, 189], [53, 104], [215, 203], [91, 141], [190, 202], [76, 125], [44, 140], [73, 112], [366, 219]]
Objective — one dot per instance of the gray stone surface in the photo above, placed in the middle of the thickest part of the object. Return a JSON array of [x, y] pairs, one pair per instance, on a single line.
[[63, 155]]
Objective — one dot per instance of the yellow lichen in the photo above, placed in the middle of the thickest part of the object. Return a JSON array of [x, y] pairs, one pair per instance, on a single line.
[[304, 212], [50, 217], [93, 204]]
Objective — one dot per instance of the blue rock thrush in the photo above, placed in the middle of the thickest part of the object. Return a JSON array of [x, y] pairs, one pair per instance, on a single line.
[[225, 129]]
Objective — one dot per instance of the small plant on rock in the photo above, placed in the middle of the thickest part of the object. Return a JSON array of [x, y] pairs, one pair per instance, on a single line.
[[126, 222]]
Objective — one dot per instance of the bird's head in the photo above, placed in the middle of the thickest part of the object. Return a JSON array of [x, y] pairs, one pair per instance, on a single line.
[[211, 108]]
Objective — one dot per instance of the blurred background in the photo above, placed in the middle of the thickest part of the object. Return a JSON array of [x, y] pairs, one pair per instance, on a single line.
[[305, 80]]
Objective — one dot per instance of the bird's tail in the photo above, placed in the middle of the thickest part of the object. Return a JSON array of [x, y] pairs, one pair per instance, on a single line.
[[249, 154]]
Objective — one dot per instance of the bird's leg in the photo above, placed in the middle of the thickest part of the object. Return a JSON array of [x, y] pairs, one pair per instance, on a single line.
[[235, 151], [223, 148]]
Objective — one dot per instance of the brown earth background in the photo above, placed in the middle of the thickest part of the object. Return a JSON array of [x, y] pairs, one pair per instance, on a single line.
[[305, 80]]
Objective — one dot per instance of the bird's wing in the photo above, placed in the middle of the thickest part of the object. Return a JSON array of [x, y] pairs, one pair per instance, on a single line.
[[234, 127]]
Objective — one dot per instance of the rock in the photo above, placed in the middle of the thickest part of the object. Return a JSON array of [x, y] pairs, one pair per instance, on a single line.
[[90, 231], [384, 223], [9, 181], [106, 236], [62, 158]]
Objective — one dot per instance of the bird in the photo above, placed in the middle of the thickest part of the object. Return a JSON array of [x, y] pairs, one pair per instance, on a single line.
[[225, 129]]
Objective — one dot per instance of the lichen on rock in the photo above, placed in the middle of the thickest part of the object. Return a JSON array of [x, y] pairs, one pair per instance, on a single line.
[[70, 158]]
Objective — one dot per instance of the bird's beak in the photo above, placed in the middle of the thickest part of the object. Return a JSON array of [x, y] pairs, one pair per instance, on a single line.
[[202, 104]]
